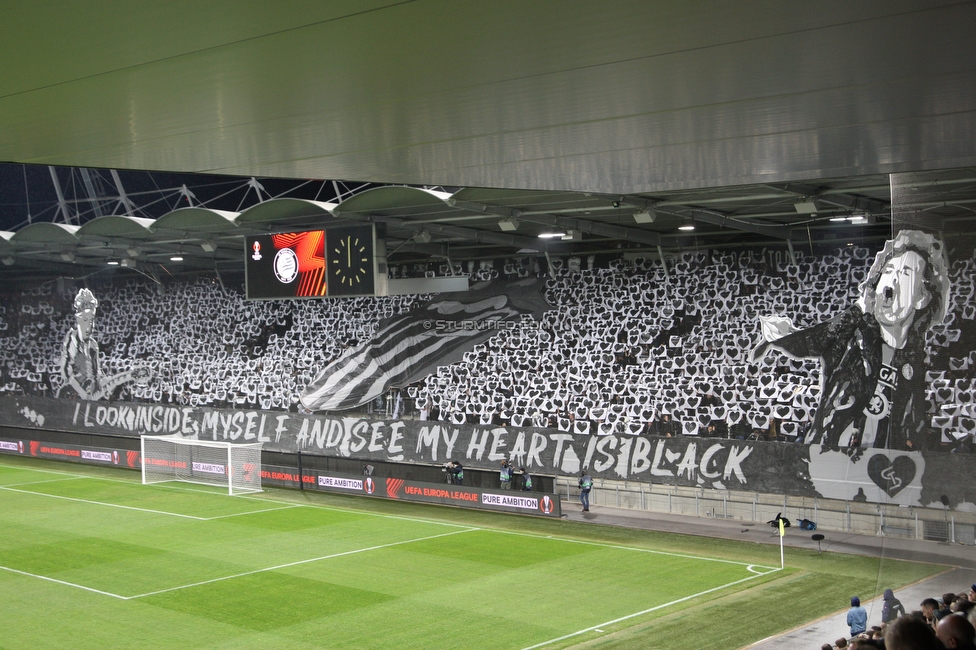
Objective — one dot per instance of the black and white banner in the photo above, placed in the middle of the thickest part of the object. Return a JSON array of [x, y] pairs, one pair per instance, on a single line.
[[409, 347], [875, 475]]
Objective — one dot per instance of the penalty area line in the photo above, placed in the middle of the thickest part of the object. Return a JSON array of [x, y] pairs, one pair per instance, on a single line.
[[252, 512], [63, 582], [50, 480], [598, 627], [300, 562], [102, 503]]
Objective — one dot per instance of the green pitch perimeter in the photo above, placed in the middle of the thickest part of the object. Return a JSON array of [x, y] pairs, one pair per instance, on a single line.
[[90, 558]]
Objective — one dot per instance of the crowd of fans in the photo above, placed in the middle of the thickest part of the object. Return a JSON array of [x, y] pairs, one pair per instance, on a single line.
[[947, 622], [630, 347]]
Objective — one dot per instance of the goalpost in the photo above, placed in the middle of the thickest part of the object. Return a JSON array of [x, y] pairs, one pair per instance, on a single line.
[[208, 462]]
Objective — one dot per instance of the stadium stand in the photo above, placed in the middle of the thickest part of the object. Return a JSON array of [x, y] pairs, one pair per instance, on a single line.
[[631, 347]]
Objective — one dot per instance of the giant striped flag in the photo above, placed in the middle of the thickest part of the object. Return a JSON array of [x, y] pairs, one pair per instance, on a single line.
[[408, 347]]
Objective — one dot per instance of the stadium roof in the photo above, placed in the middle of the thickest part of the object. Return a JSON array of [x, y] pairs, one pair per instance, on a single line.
[[756, 121]]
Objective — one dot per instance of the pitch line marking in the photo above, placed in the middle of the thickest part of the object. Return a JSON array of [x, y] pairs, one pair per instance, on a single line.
[[367, 513], [62, 582], [632, 548], [50, 480], [50, 471], [102, 503], [596, 628], [167, 486], [299, 562], [250, 512], [95, 477], [513, 532]]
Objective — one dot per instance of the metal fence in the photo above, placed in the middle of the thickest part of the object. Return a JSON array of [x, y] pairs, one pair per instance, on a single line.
[[841, 516]]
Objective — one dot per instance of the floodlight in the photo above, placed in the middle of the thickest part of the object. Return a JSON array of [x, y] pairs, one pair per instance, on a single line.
[[805, 207], [645, 216], [508, 224]]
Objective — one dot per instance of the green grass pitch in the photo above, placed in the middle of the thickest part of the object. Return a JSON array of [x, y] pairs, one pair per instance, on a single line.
[[90, 558]]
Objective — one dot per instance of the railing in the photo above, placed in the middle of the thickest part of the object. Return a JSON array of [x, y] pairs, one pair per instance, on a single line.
[[933, 524]]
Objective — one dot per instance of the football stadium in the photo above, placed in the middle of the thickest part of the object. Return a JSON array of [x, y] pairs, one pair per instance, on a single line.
[[488, 325]]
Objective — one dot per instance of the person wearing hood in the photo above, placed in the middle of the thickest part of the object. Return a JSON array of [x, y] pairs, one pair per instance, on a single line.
[[857, 617], [892, 607]]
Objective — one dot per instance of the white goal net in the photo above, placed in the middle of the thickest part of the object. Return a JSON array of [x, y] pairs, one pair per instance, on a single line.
[[173, 458]]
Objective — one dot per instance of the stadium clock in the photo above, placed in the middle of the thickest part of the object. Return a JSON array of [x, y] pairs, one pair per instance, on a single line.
[[350, 262]]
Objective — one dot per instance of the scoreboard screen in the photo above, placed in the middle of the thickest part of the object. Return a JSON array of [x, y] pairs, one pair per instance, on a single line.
[[311, 264]]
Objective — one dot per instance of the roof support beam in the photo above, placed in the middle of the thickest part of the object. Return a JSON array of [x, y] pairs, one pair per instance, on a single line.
[[92, 194], [480, 236], [568, 223], [601, 229], [124, 201], [712, 217], [62, 205], [849, 201]]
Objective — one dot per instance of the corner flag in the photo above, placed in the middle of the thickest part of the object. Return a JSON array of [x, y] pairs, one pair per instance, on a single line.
[[782, 533]]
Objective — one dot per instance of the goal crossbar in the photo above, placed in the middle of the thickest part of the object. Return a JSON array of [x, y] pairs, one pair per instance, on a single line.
[[207, 462]]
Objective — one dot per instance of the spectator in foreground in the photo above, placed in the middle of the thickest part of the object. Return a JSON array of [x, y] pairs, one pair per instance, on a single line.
[[857, 617], [911, 633], [946, 609], [962, 606], [954, 631], [929, 608], [892, 607]]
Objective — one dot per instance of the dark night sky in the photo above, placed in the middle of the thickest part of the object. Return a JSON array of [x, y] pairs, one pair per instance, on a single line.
[[27, 192]]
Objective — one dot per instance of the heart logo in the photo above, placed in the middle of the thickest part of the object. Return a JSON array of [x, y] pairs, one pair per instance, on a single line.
[[892, 477]]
